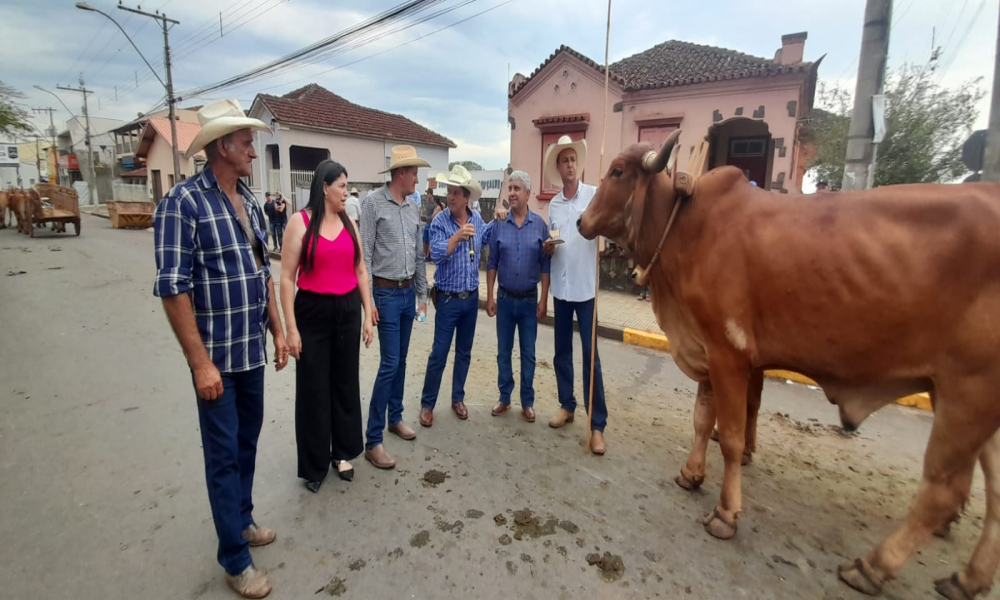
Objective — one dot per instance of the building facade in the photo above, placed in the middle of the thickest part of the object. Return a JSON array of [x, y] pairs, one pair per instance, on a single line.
[[750, 109]]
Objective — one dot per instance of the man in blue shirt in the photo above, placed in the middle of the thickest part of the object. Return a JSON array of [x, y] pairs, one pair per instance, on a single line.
[[516, 251], [214, 276], [457, 237]]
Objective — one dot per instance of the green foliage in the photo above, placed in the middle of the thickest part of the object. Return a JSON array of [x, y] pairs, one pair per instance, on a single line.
[[468, 164], [926, 125], [13, 119]]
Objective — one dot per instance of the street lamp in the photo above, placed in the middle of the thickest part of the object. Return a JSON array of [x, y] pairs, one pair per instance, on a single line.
[[168, 85]]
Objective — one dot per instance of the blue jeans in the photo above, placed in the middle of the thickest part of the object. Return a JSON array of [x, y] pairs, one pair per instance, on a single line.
[[563, 360], [396, 310], [278, 232], [516, 313], [454, 318], [229, 429]]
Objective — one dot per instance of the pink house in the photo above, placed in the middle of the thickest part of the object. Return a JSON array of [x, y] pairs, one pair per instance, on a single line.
[[750, 108]]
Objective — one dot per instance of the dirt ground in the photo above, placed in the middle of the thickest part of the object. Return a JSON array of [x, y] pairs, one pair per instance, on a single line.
[[103, 493]]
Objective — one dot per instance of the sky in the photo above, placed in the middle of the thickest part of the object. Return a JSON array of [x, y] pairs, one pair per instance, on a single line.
[[448, 76]]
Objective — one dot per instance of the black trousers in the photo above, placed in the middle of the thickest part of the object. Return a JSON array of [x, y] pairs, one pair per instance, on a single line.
[[327, 396]]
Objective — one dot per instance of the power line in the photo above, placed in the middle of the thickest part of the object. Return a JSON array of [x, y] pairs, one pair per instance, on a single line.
[[211, 38], [854, 62], [961, 42], [209, 24], [354, 62], [379, 20], [147, 77], [347, 46]]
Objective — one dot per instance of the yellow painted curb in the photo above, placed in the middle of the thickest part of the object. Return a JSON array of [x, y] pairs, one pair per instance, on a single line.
[[657, 341], [645, 339]]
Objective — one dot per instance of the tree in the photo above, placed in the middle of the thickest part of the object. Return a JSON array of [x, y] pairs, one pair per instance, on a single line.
[[468, 164], [926, 125], [13, 118]]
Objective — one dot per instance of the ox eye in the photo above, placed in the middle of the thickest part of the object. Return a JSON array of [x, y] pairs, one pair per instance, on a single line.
[[616, 173]]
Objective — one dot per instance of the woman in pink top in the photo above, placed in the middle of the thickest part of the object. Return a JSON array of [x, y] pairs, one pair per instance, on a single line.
[[321, 255]]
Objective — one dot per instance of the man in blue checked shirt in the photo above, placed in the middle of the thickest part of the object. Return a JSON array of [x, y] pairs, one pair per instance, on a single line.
[[214, 277], [516, 251], [457, 237]]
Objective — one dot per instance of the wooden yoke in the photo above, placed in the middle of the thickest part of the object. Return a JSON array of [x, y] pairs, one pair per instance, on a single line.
[[684, 184]]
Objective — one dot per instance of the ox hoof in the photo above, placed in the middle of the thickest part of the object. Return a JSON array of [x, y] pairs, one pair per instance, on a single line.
[[718, 527], [689, 483], [860, 576], [714, 436], [952, 588], [747, 458]]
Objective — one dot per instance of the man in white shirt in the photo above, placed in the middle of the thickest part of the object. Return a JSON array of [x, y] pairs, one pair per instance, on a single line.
[[572, 282], [353, 205]]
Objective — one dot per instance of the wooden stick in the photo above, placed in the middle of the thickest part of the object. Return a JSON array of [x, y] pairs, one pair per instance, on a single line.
[[597, 265]]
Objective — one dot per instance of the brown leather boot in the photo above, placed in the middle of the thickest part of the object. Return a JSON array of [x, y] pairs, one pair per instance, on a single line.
[[379, 457], [251, 583], [562, 417]]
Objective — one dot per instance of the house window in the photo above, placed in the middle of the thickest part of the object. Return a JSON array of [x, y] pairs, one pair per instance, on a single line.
[[548, 191], [171, 179], [747, 147], [247, 181]]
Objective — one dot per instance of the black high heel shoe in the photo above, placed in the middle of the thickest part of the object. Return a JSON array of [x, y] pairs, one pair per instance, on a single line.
[[313, 486], [346, 474]]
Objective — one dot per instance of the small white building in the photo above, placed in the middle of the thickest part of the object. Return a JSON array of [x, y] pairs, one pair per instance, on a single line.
[[312, 124]]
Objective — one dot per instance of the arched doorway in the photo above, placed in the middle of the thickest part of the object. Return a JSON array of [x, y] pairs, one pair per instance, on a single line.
[[745, 144]]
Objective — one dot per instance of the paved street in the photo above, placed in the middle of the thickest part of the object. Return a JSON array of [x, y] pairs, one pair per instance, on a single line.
[[103, 493]]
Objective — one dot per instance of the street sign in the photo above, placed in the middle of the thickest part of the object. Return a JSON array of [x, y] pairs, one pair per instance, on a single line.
[[974, 150], [8, 155]]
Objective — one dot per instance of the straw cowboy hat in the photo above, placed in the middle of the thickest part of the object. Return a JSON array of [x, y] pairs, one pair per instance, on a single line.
[[219, 119], [552, 156], [405, 156], [461, 177], [354, 191]]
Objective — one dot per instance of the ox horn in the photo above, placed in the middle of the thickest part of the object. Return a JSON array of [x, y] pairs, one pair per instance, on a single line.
[[654, 163]]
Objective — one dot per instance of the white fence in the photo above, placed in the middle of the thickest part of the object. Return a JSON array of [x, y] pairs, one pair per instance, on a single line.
[[129, 192]]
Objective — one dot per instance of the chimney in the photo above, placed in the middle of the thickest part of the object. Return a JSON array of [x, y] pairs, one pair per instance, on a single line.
[[793, 46]]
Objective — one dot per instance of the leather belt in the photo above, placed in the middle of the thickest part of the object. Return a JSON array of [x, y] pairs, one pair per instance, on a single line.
[[459, 295], [532, 293], [390, 283]]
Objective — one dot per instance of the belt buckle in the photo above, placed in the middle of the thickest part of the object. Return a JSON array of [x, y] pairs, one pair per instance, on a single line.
[[399, 284], [463, 295]]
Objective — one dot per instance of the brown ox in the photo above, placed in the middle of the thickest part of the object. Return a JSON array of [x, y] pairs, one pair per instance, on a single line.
[[873, 294], [4, 205]]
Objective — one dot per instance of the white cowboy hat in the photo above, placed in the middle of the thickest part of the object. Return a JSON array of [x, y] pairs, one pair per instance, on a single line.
[[552, 155], [461, 177], [405, 156], [355, 190], [219, 119]]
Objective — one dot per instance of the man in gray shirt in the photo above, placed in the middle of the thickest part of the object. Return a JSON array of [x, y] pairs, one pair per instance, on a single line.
[[391, 234]]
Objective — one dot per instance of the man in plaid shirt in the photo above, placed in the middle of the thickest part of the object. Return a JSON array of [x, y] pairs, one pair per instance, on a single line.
[[214, 277]]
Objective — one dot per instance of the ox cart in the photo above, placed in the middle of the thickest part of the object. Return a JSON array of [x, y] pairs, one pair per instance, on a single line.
[[53, 204]]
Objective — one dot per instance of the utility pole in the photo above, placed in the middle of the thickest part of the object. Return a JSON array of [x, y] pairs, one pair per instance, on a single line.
[[859, 167], [991, 164], [54, 162], [169, 85], [90, 154]]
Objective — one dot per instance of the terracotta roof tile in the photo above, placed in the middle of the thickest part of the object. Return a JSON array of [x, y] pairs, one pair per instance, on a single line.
[[676, 63], [314, 106], [185, 131]]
